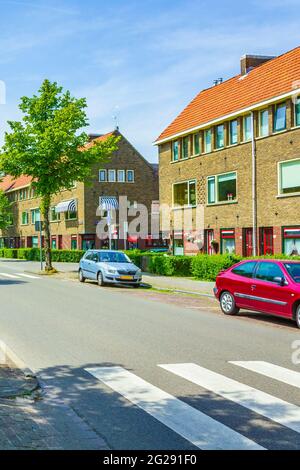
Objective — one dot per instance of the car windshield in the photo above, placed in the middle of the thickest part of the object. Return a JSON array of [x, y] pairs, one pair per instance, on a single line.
[[113, 257], [294, 271]]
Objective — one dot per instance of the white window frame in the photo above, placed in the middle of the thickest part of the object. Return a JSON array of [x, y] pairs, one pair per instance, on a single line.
[[108, 176], [280, 193], [105, 177], [210, 130], [133, 173], [57, 214], [277, 105], [33, 211], [217, 202], [188, 205], [247, 116], [295, 116], [124, 176]]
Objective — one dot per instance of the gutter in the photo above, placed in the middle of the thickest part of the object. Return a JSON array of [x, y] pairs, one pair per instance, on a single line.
[[254, 198]]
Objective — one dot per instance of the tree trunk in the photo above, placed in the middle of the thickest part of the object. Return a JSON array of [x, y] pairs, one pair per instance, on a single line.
[[45, 208]]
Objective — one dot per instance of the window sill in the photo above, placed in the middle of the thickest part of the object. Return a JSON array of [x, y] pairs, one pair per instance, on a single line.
[[282, 131], [280, 196], [183, 207], [213, 204]]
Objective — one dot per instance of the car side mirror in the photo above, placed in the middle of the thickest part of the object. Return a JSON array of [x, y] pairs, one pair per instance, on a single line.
[[281, 281]]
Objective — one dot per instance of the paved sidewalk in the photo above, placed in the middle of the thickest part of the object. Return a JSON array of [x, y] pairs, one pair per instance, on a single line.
[[36, 423]]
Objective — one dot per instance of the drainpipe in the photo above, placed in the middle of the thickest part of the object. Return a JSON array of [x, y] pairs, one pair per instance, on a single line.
[[254, 199]]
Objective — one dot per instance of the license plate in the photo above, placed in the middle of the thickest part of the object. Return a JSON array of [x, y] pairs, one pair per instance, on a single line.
[[126, 278]]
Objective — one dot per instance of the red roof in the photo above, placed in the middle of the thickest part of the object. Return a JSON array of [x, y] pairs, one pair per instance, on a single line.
[[269, 80], [8, 183]]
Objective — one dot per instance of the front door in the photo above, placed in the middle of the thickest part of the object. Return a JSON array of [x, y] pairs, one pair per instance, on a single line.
[[266, 241], [209, 236], [248, 242]]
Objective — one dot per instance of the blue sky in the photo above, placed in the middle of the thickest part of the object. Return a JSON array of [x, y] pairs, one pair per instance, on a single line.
[[140, 60]]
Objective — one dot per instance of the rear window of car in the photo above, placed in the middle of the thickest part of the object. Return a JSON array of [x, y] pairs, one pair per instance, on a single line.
[[294, 271], [245, 269]]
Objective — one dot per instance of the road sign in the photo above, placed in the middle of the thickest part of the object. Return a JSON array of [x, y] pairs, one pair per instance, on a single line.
[[39, 226]]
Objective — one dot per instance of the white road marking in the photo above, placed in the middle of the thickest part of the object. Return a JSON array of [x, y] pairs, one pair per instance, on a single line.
[[273, 371], [10, 276], [27, 276], [201, 430], [255, 400]]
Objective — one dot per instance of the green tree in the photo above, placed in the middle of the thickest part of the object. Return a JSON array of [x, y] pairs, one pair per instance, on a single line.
[[48, 144], [5, 211]]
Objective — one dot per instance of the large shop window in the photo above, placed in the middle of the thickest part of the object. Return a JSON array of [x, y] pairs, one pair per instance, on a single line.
[[227, 241], [221, 188], [291, 241], [289, 176], [184, 194]]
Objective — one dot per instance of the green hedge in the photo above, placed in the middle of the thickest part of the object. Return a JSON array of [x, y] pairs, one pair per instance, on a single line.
[[171, 265], [206, 267]]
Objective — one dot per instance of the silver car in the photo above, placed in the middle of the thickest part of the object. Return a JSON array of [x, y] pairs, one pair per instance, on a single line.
[[109, 267]]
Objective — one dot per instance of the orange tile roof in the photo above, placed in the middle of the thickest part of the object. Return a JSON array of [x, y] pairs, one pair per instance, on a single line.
[[8, 183], [266, 81]]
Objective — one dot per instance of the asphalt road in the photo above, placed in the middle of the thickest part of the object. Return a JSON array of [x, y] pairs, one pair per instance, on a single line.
[[146, 374]]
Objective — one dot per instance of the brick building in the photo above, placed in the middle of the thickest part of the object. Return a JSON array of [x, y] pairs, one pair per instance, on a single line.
[[235, 150], [74, 214]]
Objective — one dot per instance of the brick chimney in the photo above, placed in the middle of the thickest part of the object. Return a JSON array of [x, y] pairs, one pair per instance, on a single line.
[[249, 61]]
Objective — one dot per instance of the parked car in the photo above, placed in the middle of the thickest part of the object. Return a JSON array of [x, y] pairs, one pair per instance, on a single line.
[[268, 286], [109, 267]]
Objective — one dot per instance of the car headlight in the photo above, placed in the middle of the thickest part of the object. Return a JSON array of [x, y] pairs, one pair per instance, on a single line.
[[139, 271], [111, 271]]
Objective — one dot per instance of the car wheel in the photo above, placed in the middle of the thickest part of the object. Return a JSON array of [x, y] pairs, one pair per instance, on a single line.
[[298, 316], [228, 304], [81, 276], [136, 285], [100, 279]]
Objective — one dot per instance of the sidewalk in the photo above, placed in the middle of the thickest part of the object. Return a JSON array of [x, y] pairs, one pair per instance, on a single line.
[[28, 421]]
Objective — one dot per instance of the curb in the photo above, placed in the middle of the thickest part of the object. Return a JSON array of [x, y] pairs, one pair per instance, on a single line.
[[9, 357], [180, 291]]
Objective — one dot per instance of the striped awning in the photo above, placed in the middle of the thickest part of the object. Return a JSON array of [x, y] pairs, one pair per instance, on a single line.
[[108, 203], [66, 206]]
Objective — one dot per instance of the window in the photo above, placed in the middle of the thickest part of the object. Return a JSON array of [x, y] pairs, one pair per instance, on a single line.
[[71, 215], [294, 271], [35, 216], [297, 112], [247, 128], [289, 177], [185, 147], [112, 176], [34, 242], [279, 117], [54, 216], [268, 272], [220, 136], [53, 243], [264, 123], [130, 176], [25, 218], [291, 241], [175, 150], [102, 176], [196, 144], [233, 132], [245, 269], [221, 188], [184, 194], [121, 176], [227, 241], [207, 141]]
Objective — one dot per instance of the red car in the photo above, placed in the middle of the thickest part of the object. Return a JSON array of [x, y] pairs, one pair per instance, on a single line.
[[268, 286]]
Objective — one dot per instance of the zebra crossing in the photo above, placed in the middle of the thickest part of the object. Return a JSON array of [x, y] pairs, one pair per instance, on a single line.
[[198, 428], [17, 276]]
